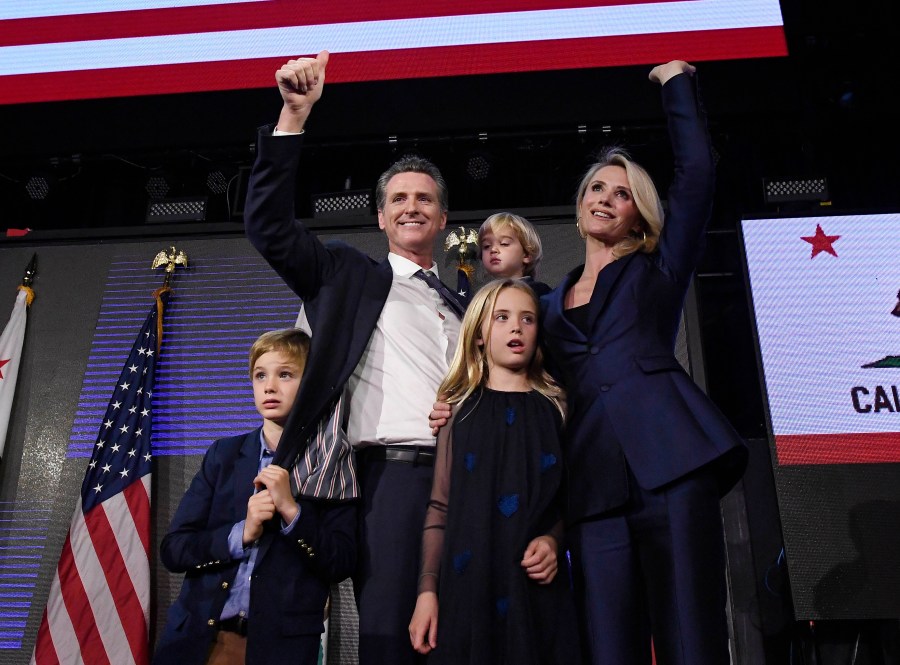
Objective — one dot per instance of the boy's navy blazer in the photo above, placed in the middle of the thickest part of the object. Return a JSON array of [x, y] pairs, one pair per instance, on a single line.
[[337, 283], [627, 393], [292, 573]]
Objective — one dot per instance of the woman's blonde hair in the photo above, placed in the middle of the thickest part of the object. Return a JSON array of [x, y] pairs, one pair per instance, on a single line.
[[523, 230], [469, 368], [646, 199]]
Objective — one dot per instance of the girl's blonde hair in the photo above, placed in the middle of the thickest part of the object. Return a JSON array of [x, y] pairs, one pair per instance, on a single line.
[[646, 199], [469, 368], [523, 230]]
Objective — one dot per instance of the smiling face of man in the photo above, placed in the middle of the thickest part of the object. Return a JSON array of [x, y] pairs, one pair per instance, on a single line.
[[412, 216]]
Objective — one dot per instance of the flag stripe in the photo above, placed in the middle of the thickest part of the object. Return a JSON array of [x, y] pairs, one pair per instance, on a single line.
[[365, 36], [98, 596], [132, 543], [116, 580], [15, 9], [88, 643], [849, 448], [250, 15], [137, 498], [400, 64], [56, 630]]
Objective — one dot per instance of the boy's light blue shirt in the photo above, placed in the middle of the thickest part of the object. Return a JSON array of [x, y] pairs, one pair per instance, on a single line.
[[238, 603]]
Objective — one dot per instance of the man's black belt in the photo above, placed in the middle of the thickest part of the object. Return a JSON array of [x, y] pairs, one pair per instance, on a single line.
[[415, 455], [235, 624]]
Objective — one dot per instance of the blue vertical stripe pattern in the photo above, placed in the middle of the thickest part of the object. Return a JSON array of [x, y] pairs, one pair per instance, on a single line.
[[220, 306]]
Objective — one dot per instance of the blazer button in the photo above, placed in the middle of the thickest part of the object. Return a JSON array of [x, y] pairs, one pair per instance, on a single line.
[[211, 622], [604, 388], [224, 585], [595, 350]]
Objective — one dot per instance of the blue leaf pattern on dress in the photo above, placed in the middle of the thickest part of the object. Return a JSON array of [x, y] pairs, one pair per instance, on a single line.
[[461, 561], [547, 460], [502, 606], [508, 504], [470, 461], [510, 416]]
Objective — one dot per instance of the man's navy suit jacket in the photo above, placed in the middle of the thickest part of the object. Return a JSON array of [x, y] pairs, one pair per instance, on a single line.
[[292, 573], [343, 290]]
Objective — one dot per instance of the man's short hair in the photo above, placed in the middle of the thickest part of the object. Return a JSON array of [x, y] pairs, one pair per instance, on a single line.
[[412, 164]]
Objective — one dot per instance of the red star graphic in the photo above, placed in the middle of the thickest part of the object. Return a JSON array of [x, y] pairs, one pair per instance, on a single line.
[[821, 242], [2, 363]]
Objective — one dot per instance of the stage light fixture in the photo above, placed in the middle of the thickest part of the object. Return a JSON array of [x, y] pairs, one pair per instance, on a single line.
[[796, 190], [157, 187], [185, 209], [216, 182], [38, 187], [479, 166], [348, 203]]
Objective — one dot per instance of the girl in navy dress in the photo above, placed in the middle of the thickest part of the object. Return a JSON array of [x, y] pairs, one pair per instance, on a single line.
[[491, 588]]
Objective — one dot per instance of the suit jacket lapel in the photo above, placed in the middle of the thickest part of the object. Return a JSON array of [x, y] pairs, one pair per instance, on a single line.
[[323, 381], [555, 320], [558, 324], [245, 469], [600, 297]]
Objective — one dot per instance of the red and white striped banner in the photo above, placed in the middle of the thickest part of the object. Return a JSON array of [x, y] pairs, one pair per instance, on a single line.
[[58, 49]]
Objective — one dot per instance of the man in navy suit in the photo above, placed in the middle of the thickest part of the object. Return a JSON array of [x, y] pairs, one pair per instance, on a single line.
[[382, 341]]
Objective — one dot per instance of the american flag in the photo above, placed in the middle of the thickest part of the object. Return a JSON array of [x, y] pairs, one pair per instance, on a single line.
[[99, 603], [72, 49]]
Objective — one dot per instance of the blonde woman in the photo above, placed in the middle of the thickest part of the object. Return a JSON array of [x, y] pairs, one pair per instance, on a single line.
[[648, 454]]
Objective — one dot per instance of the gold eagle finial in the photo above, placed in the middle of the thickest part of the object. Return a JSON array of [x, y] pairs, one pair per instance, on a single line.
[[170, 258], [466, 243]]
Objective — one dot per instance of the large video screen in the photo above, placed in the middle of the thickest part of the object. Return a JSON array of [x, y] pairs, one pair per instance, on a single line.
[[79, 49], [824, 292]]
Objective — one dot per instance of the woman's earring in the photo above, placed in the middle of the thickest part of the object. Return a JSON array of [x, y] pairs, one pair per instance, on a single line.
[[578, 227]]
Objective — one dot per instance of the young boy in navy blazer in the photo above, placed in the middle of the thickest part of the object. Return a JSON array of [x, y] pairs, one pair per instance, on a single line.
[[258, 563]]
